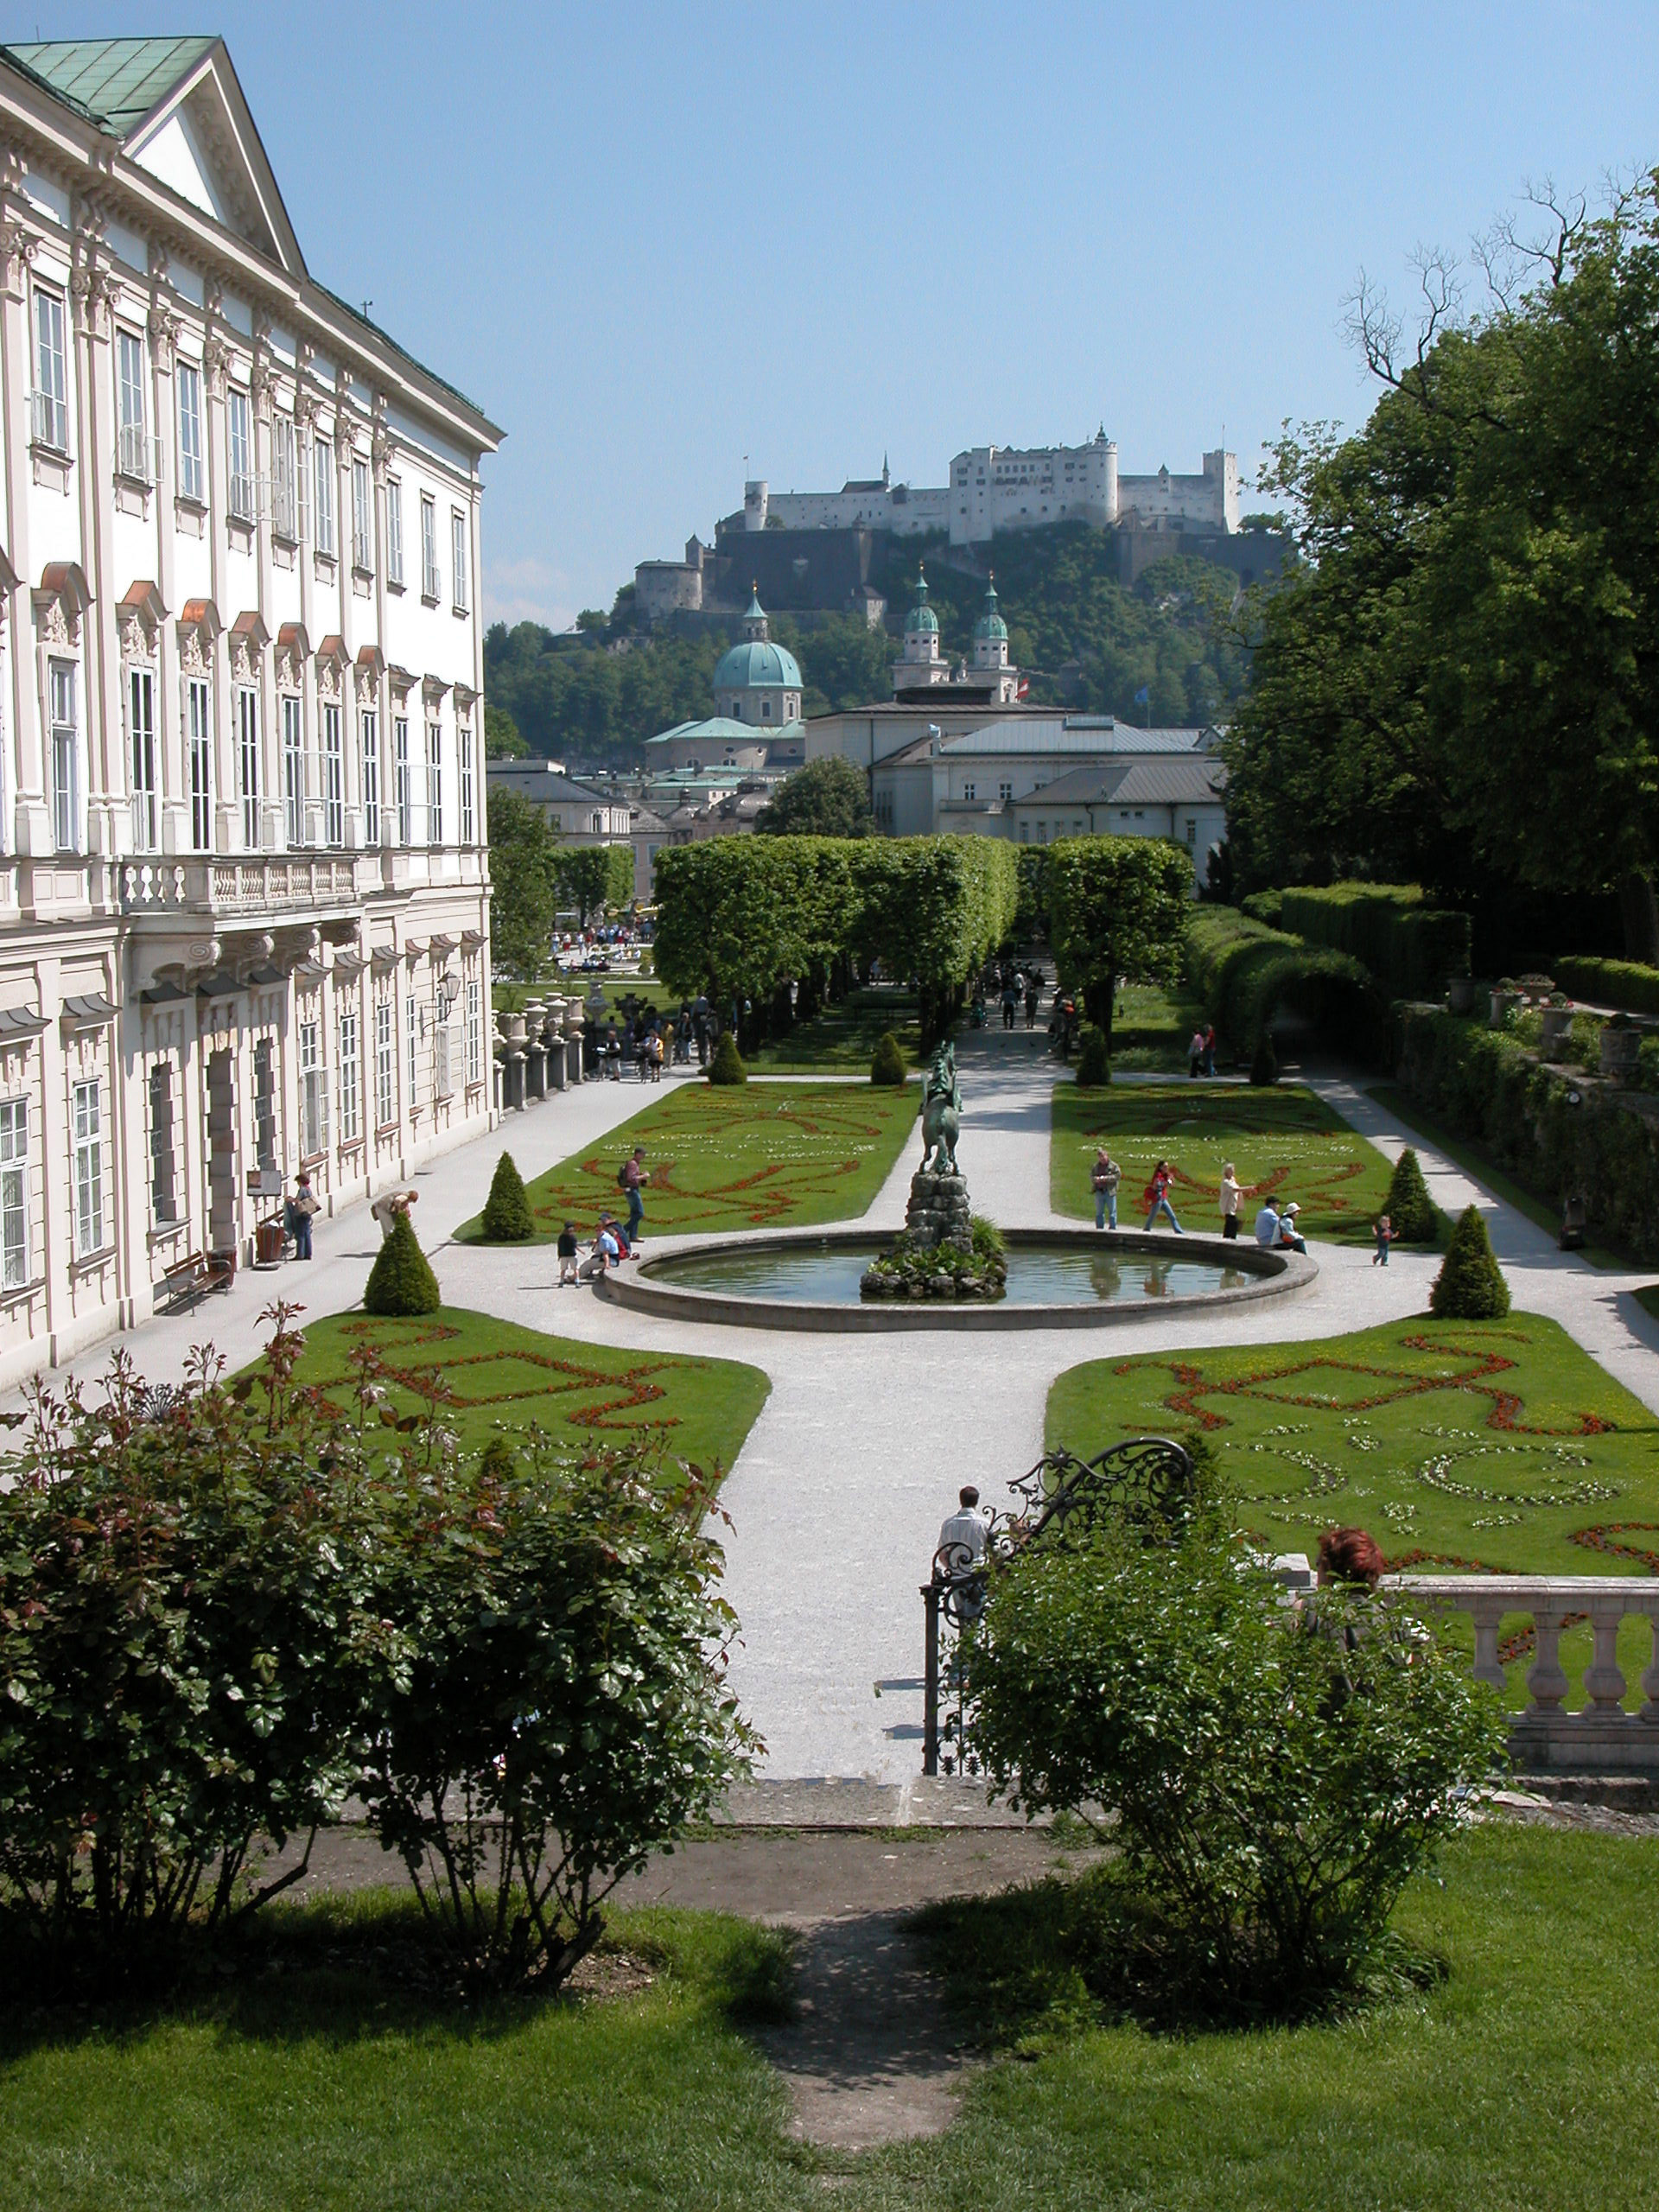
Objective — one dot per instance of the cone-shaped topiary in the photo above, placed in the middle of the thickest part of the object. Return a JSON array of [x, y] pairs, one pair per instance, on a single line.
[[1264, 1068], [506, 1218], [887, 1062], [1470, 1286], [401, 1280], [726, 1066], [1094, 1064], [1410, 1210]]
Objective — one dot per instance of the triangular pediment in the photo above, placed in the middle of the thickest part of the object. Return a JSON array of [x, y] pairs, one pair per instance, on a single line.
[[200, 140]]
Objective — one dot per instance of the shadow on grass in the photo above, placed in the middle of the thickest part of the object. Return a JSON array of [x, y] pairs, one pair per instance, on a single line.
[[1031, 1967], [361, 1966]]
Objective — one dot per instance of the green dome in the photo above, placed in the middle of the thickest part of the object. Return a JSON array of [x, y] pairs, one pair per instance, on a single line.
[[749, 667], [921, 616], [990, 623]]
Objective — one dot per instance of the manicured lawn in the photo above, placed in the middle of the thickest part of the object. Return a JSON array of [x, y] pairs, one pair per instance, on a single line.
[[840, 1039], [502, 1376], [750, 1156], [1285, 1143], [1524, 2082], [1150, 1026], [1494, 1444]]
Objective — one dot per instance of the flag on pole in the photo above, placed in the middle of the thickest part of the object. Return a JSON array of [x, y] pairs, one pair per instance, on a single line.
[[1143, 696], [1024, 689]]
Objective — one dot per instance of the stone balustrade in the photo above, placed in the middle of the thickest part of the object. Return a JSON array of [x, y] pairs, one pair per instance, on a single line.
[[1602, 1738]]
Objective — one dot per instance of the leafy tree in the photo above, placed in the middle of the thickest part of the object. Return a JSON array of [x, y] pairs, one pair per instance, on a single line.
[[1270, 1781], [1094, 1061], [506, 1218], [1411, 1211], [1470, 1286], [595, 878], [826, 798], [501, 738], [525, 857], [401, 1280], [1117, 907]]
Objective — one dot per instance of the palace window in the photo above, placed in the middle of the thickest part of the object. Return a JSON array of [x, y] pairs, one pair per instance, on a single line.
[[14, 1192], [394, 532], [239, 419], [293, 772], [132, 438], [969, 791], [458, 559], [371, 780], [141, 731], [313, 1093], [1191, 832], [334, 779], [189, 383], [265, 1104], [442, 1085], [350, 1074], [475, 1032], [285, 479], [468, 808], [65, 758], [412, 1034], [199, 743], [322, 470], [51, 410], [362, 516], [434, 783], [247, 748], [430, 581], [1005, 791], [88, 1169], [164, 1168], [385, 1064], [400, 776]]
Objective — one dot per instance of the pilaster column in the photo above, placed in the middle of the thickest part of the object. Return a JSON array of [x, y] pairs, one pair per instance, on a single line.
[[91, 289], [24, 827]]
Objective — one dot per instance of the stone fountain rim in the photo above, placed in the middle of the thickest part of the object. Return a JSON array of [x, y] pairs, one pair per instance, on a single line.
[[1278, 1275]]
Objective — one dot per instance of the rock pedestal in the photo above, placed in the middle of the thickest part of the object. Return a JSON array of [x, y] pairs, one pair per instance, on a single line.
[[938, 1212]]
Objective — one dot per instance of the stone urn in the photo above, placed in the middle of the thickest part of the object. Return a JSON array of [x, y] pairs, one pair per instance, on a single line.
[[1461, 994], [1557, 1027], [513, 1030], [1502, 1005], [1619, 1049]]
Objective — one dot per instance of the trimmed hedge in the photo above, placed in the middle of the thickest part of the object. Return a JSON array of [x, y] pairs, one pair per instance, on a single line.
[[1470, 1286], [727, 1066], [1486, 1086], [1245, 972], [887, 1062], [1623, 984], [1267, 907], [401, 1281], [506, 1218], [1410, 948]]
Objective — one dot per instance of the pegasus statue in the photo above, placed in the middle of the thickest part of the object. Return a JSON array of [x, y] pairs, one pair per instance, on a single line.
[[941, 1112]]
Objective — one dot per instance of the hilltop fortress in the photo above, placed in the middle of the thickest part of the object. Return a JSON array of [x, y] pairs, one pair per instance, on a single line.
[[812, 550]]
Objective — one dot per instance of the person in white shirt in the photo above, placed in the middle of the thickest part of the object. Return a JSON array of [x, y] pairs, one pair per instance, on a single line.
[[970, 1526]]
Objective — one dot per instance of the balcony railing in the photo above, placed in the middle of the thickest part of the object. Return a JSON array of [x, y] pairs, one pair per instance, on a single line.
[[250, 886], [1604, 1736]]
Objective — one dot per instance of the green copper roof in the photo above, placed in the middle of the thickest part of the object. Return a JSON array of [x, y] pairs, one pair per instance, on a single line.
[[990, 623], [747, 666], [921, 616], [757, 613], [113, 82]]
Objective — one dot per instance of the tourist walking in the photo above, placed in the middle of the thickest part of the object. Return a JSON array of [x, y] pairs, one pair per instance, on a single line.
[[567, 1254], [632, 1177], [1384, 1233], [1010, 1005], [1210, 1048], [1157, 1196], [1032, 993], [302, 1208], [1231, 1195], [1105, 1178], [968, 1529], [1195, 1054]]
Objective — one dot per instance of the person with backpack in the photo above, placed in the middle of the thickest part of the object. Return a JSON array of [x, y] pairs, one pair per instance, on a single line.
[[631, 1178]]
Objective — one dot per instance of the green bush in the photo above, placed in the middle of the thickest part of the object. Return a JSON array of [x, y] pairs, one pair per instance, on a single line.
[[1623, 984], [1267, 907], [726, 1066], [887, 1062], [506, 1218], [1558, 1137], [1245, 972], [1094, 1061], [1264, 1063], [1410, 949], [1647, 1065], [1412, 1213], [1470, 1286], [1270, 1779], [401, 1280]]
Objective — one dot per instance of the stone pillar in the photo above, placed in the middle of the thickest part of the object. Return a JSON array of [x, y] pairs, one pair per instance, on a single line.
[[535, 1053], [558, 1059], [573, 1040], [513, 1066]]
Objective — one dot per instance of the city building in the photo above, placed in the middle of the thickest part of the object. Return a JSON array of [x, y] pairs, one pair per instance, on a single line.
[[244, 888], [756, 682], [921, 672]]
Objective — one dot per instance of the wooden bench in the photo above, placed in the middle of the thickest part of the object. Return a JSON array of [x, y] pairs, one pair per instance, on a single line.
[[188, 1281]]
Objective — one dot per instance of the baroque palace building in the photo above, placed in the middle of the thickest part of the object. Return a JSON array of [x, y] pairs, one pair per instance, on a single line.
[[244, 888]]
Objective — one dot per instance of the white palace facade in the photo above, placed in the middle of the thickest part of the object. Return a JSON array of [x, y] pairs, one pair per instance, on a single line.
[[244, 888]]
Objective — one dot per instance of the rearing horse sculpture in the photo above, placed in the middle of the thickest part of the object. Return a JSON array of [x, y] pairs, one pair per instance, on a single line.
[[940, 1112]]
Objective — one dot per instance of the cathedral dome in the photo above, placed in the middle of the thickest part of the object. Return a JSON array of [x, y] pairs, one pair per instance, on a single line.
[[990, 623], [757, 664]]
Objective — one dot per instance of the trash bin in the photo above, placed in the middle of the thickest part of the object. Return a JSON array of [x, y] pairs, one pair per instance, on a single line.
[[269, 1240]]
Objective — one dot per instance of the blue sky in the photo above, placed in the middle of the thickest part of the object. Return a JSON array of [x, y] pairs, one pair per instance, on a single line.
[[652, 240]]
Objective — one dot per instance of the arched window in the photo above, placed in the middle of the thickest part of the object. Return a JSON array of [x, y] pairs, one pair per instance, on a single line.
[[599, 825]]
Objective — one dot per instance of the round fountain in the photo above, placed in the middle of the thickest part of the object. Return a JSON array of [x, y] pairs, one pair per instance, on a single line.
[[928, 1277]]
